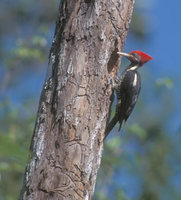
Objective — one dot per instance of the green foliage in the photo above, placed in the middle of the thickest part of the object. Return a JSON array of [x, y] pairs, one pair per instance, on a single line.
[[15, 134], [9, 148], [121, 195], [137, 25], [25, 42], [27, 53], [137, 130], [165, 81]]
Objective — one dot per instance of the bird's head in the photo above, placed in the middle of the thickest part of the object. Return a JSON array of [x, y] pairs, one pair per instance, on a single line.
[[137, 57]]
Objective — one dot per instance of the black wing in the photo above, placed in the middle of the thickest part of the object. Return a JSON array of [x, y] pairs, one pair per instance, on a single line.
[[128, 94]]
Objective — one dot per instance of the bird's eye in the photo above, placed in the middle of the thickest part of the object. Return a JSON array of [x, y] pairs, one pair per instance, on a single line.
[[135, 57]]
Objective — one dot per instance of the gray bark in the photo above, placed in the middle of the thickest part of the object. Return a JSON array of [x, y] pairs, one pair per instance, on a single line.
[[74, 106]]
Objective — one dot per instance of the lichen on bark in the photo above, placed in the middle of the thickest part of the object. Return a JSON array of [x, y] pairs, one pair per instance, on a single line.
[[74, 106]]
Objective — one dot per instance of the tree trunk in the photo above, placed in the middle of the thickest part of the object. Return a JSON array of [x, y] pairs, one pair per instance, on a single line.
[[74, 106]]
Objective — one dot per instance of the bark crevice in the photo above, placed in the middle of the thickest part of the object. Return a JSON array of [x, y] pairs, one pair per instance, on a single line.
[[74, 106]]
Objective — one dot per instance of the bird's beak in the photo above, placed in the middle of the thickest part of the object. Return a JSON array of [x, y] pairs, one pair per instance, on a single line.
[[124, 54], [128, 56]]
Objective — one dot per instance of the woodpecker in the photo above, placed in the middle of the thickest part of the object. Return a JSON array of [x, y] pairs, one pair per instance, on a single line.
[[127, 88]]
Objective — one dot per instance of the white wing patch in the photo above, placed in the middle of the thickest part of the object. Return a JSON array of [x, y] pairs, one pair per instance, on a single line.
[[135, 80]]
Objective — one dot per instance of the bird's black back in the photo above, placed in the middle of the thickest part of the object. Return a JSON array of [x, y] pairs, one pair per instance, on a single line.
[[127, 94]]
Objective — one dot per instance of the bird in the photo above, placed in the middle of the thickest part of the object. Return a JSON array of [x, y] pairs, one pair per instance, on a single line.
[[127, 88]]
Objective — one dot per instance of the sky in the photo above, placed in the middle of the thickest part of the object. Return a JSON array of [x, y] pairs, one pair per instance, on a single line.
[[167, 40], [163, 44]]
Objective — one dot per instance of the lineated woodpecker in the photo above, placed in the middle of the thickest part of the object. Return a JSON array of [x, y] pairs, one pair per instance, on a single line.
[[127, 88]]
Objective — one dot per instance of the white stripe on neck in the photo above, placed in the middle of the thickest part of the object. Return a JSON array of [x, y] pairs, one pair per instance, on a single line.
[[133, 68]]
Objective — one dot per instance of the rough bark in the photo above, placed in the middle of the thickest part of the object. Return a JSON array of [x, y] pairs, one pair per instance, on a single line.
[[68, 138]]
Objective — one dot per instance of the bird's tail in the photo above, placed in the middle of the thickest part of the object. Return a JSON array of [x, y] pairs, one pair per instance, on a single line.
[[111, 125]]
